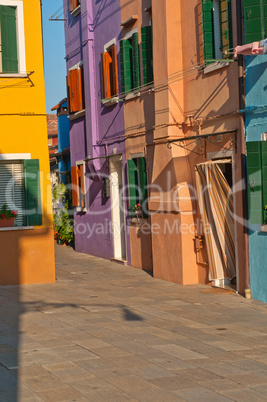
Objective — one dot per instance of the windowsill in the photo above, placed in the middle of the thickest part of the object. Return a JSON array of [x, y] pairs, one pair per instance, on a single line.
[[80, 209], [129, 20], [77, 115], [17, 228], [13, 75], [132, 95], [110, 101], [75, 12], [216, 66]]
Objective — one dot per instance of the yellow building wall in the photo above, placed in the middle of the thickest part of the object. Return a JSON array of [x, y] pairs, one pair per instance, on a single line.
[[28, 256]]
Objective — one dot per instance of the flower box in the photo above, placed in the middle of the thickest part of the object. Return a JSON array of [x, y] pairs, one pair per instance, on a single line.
[[7, 222]]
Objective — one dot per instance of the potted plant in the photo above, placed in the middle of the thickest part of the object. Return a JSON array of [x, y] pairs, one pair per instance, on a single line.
[[7, 217]]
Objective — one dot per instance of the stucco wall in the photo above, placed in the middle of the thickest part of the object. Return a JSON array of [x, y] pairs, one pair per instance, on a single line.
[[256, 123]]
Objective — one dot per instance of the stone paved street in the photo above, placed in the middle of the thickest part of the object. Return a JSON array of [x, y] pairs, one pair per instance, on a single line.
[[107, 332]]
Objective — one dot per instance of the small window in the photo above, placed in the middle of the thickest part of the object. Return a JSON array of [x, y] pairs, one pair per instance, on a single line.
[[137, 184], [75, 86], [78, 186], [12, 40], [130, 63], [216, 29], [109, 72], [73, 5]]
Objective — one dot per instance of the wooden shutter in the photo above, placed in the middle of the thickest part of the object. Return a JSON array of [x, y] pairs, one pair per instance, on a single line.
[[225, 26], [254, 174], [143, 183], [72, 5], [132, 183], [32, 191], [81, 185], [75, 89], [147, 54], [136, 63], [104, 75], [8, 39], [74, 183], [207, 29], [125, 61], [264, 179], [115, 85], [254, 20]]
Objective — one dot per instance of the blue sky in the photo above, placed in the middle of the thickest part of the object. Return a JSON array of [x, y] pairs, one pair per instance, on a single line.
[[54, 53]]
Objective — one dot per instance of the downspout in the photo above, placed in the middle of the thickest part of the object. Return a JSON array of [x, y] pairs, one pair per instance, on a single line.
[[242, 105]]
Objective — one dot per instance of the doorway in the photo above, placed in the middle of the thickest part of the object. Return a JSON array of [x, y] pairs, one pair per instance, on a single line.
[[117, 208], [214, 187]]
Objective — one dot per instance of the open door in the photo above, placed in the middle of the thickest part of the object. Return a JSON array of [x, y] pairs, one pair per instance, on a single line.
[[117, 202], [215, 199]]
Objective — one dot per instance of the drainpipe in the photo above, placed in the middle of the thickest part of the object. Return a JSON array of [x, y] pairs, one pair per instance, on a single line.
[[242, 101]]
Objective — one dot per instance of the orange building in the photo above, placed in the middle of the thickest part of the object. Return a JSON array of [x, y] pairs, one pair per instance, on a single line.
[[183, 127]]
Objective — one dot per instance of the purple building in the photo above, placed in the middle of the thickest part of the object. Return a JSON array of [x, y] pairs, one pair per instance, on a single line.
[[96, 117]]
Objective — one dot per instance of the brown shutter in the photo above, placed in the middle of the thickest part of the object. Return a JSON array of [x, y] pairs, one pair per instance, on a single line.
[[71, 5], [104, 75], [68, 93], [80, 97], [114, 71], [109, 74], [81, 185], [74, 183], [74, 84]]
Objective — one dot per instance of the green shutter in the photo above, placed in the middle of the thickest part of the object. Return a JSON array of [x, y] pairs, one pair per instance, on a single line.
[[207, 29], [132, 183], [125, 62], [147, 54], [264, 178], [254, 20], [143, 184], [254, 174], [8, 39], [135, 61], [32, 191], [225, 26]]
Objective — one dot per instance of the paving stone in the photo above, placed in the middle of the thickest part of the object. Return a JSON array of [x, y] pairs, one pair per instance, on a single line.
[[104, 332]]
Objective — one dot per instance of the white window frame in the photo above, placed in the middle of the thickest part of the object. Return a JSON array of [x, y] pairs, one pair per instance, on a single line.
[[18, 4], [80, 208]]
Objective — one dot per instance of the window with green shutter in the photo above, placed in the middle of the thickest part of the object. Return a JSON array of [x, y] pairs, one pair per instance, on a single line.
[[8, 40], [216, 29], [257, 181], [255, 17], [130, 63], [147, 54], [137, 184], [20, 190]]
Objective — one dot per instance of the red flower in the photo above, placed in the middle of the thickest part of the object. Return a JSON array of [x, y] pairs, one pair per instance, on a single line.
[[3, 216], [14, 213]]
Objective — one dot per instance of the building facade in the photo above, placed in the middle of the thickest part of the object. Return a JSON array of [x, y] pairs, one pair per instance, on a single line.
[[162, 136], [27, 249], [92, 34]]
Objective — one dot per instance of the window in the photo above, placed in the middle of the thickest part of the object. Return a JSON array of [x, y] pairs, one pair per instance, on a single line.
[[255, 17], [78, 186], [20, 190], [75, 87], [137, 183], [12, 40], [257, 181], [147, 54], [130, 67], [73, 5], [109, 72], [216, 28]]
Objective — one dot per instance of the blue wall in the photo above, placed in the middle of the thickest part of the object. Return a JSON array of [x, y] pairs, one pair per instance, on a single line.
[[63, 141], [256, 123]]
